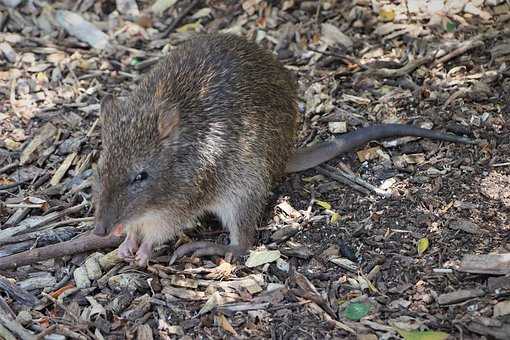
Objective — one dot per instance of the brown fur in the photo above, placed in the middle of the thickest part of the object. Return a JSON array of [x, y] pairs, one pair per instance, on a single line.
[[212, 125], [209, 130]]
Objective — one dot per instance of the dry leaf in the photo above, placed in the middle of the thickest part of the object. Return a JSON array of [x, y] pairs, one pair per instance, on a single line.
[[223, 323]]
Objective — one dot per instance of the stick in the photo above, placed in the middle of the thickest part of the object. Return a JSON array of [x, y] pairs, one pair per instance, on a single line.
[[75, 317], [469, 45], [5, 334], [51, 228], [179, 18], [358, 180], [342, 179], [496, 165], [8, 167], [146, 63], [19, 294], [12, 325], [60, 329], [399, 72], [413, 65], [79, 245], [22, 228]]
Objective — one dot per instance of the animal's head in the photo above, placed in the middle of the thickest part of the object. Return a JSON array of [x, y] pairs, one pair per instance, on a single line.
[[138, 141]]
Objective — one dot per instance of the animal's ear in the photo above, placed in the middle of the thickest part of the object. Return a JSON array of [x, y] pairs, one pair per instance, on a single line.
[[108, 105], [168, 123]]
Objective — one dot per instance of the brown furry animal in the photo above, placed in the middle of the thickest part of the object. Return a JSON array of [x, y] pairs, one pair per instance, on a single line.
[[210, 129]]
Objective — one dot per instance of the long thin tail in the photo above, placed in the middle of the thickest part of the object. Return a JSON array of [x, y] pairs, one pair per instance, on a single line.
[[312, 156]]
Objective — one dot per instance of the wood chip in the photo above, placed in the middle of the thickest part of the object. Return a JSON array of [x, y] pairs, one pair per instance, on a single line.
[[331, 34], [499, 283], [62, 169], [185, 294], [75, 25], [337, 127], [184, 282], [459, 296], [465, 225], [44, 134], [289, 210], [81, 278], [368, 154], [8, 52], [486, 264], [144, 332], [344, 263]]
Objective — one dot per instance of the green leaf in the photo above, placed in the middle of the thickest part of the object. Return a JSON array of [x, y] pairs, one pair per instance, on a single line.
[[451, 26], [323, 204], [355, 311], [135, 61], [334, 217], [423, 244], [418, 335]]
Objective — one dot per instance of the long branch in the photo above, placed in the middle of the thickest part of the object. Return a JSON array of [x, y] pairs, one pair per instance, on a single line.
[[79, 245]]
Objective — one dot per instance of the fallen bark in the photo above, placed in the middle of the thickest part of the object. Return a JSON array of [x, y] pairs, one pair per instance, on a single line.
[[80, 245]]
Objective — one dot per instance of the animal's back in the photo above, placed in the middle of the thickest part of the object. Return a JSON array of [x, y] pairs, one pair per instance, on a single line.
[[237, 105]]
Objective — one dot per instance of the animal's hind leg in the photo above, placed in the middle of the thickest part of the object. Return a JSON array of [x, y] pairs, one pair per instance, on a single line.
[[240, 215]]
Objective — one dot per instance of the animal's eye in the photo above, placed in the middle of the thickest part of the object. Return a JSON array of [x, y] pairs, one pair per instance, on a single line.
[[141, 176]]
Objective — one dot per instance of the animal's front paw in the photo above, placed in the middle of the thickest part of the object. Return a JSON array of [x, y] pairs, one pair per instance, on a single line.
[[128, 248]]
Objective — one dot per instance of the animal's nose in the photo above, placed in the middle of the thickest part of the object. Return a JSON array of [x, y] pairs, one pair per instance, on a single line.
[[100, 229]]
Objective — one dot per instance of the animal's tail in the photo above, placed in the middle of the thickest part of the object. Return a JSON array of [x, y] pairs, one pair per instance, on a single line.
[[312, 156]]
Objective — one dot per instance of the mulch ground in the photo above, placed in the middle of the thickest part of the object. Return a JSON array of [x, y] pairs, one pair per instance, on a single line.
[[415, 245]]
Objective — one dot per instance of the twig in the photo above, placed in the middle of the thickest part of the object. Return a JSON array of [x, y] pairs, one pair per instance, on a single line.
[[317, 309], [179, 18], [288, 305], [12, 325], [19, 294], [39, 233], [358, 180], [413, 65], [146, 63], [470, 44], [342, 179], [92, 128], [5, 334], [241, 307], [47, 331], [318, 11], [12, 185], [62, 306], [8, 167], [344, 58], [60, 329], [80, 245], [22, 228], [399, 72], [497, 165], [466, 46]]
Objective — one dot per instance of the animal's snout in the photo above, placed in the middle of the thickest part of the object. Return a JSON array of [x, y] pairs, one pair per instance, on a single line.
[[103, 224], [100, 229]]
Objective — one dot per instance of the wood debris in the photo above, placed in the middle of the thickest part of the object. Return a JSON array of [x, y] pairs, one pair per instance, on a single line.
[[342, 252]]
